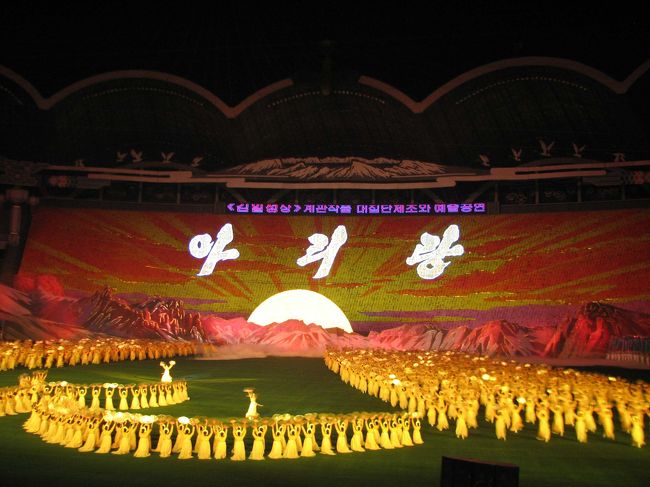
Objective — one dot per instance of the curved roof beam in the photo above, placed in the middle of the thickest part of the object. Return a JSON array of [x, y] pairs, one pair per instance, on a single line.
[[618, 87], [416, 107], [228, 111]]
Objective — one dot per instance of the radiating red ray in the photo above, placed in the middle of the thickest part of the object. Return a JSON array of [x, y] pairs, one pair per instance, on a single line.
[[553, 257]]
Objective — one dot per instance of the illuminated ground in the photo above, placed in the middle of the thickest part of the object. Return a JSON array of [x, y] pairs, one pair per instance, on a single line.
[[296, 386]]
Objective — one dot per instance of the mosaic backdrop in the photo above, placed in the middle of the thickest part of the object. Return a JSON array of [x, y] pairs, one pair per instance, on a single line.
[[529, 269]]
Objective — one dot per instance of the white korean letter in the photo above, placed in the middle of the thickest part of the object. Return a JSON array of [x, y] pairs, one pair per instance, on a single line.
[[429, 254], [201, 246], [322, 248]]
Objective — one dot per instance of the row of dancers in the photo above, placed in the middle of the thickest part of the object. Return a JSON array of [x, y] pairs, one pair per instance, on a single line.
[[31, 389], [61, 353], [444, 386], [291, 437]]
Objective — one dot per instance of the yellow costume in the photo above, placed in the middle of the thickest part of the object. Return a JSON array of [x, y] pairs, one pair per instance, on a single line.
[[164, 446], [203, 450], [105, 440], [144, 441], [220, 446], [326, 443], [291, 450], [341, 426], [186, 445], [239, 450], [309, 445], [257, 452]]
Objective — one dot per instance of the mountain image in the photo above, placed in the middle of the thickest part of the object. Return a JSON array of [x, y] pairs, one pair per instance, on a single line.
[[41, 315], [341, 169], [587, 334]]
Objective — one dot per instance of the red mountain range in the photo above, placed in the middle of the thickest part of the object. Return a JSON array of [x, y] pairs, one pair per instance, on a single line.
[[588, 333], [39, 315]]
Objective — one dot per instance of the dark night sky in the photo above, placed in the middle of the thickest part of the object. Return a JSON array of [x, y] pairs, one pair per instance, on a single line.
[[234, 49]]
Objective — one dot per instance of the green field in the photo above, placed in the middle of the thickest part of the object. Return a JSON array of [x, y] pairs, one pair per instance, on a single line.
[[298, 386]]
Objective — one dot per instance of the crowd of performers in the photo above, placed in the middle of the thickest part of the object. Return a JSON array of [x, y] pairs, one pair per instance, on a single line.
[[454, 386], [33, 391], [60, 414], [61, 353], [436, 387]]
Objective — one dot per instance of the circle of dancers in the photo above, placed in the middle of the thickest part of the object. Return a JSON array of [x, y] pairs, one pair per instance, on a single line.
[[439, 388], [99, 418]]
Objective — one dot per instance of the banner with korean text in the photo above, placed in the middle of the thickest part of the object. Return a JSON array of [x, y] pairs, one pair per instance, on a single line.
[[382, 271]]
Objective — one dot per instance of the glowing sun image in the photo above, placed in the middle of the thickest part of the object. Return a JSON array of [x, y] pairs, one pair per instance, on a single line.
[[300, 304]]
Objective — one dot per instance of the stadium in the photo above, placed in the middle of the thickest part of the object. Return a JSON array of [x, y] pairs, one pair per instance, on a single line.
[[348, 274]]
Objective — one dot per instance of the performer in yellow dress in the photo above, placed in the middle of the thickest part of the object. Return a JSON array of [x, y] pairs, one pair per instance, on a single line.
[[543, 428], [153, 401], [81, 396], [186, 446], [124, 446], [443, 422], [490, 409], [431, 412], [169, 398], [78, 429], [309, 445], [531, 418], [417, 436], [588, 412], [406, 438], [144, 440], [277, 431], [123, 392], [607, 420], [385, 437], [95, 392], [558, 419], [461, 424], [581, 427], [109, 390], [162, 399], [105, 440], [204, 433], [516, 423], [570, 412], [356, 443], [164, 446], [54, 428], [291, 449], [238, 433], [220, 435], [472, 413], [500, 424], [180, 434], [637, 433], [371, 439], [92, 438], [144, 402], [135, 392], [259, 431], [326, 425], [341, 426]]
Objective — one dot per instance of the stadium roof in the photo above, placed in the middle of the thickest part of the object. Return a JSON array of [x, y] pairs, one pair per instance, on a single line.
[[501, 114], [234, 89], [235, 48]]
